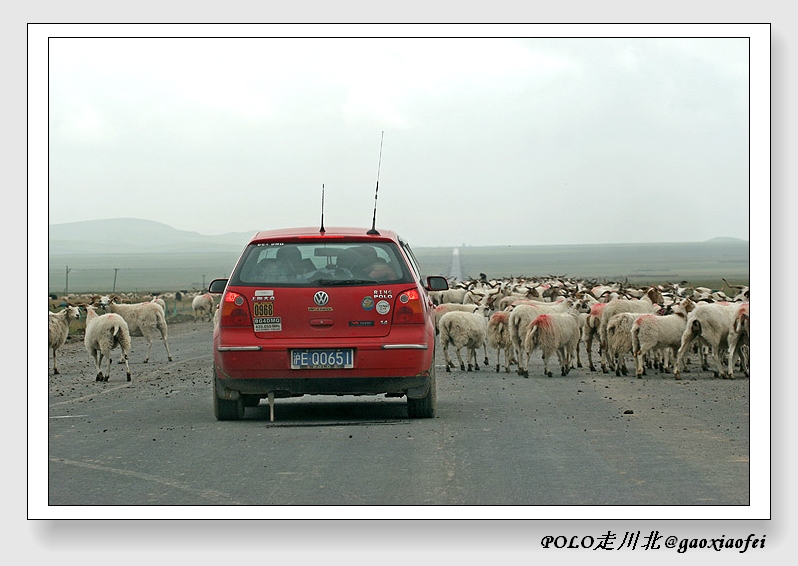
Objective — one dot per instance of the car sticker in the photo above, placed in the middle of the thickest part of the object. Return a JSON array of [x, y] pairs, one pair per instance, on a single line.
[[361, 323], [383, 307], [265, 293], [367, 304], [268, 324]]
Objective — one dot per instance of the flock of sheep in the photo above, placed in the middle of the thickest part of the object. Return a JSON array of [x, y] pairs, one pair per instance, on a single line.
[[658, 327], [113, 329]]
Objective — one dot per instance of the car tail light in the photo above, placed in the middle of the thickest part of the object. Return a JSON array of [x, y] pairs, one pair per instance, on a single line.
[[409, 308], [234, 310]]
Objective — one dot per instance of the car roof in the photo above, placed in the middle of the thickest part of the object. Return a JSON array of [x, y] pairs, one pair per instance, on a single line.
[[332, 232]]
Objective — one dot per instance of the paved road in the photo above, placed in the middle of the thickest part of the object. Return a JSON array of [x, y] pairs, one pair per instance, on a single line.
[[587, 439]]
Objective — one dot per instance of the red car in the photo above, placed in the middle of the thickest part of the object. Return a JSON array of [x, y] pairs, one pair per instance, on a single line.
[[341, 311]]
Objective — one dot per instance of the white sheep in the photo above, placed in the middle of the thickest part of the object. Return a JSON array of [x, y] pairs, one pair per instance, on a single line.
[[58, 330], [464, 330], [499, 338], [553, 333], [202, 305], [619, 340], [652, 332], [591, 331], [159, 301], [523, 314], [710, 324], [740, 340], [144, 319], [103, 334], [443, 308], [453, 295], [649, 303]]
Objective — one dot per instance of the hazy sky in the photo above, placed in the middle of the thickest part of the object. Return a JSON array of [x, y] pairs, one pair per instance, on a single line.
[[476, 140]]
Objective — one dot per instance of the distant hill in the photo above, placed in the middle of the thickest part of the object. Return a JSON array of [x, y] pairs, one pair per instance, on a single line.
[[131, 235]]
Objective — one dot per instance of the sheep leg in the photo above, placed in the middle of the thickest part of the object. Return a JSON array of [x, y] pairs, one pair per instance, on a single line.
[[55, 363], [96, 357], [166, 342], [588, 349], [639, 365], [605, 357], [127, 366], [446, 357], [546, 371]]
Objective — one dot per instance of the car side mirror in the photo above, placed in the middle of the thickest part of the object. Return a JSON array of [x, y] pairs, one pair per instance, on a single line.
[[437, 283], [217, 286]]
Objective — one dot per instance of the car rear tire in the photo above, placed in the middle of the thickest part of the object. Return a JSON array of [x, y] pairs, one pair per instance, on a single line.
[[226, 410], [424, 408]]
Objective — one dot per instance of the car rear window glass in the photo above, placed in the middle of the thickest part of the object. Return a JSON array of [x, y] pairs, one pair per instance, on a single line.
[[313, 263]]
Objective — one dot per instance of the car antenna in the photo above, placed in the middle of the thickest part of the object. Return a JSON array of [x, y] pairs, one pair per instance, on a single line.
[[373, 230], [321, 230]]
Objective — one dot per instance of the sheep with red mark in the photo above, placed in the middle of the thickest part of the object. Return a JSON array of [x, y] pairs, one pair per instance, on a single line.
[[465, 330], [655, 333], [554, 333], [499, 338], [58, 330], [591, 331], [649, 303], [520, 318], [104, 333]]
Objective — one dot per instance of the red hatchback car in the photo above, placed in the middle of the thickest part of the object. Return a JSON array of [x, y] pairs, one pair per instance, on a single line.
[[341, 311]]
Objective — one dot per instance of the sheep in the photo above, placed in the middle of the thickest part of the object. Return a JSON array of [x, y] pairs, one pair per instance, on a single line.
[[159, 301], [651, 332], [710, 323], [202, 305], [499, 338], [143, 319], [619, 340], [592, 324], [103, 334], [465, 330], [443, 308], [452, 295], [739, 340], [649, 303], [520, 317], [554, 333], [58, 330]]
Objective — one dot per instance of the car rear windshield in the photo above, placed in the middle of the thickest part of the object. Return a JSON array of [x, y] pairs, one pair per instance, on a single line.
[[312, 264]]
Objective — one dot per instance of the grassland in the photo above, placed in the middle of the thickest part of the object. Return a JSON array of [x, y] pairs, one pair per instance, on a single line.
[[701, 263]]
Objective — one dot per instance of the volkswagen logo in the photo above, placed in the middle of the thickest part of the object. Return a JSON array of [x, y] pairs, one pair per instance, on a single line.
[[321, 298]]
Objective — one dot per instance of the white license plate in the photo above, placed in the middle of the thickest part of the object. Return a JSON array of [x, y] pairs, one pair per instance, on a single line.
[[322, 359]]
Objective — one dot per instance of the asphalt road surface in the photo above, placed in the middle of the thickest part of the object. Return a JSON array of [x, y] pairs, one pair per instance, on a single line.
[[587, 439]]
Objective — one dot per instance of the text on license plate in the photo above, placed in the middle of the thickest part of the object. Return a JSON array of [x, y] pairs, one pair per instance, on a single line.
[[322, 359]]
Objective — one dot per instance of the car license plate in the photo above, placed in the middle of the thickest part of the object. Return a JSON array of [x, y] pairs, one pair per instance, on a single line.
[[322, 359]]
